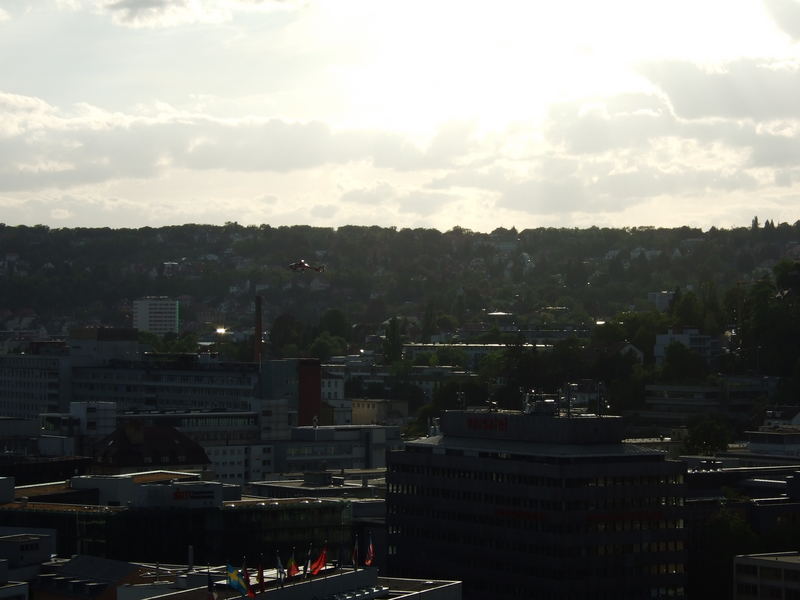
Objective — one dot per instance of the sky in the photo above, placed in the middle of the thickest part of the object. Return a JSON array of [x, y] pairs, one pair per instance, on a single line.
[[435, 114]]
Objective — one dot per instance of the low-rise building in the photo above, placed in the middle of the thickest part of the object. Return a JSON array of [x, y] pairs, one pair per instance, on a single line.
[[769, 575], [707, 346]]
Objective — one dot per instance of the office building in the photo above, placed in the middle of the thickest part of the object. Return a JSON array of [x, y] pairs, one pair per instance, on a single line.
[[772, 575], [156, 314], [537, 505]]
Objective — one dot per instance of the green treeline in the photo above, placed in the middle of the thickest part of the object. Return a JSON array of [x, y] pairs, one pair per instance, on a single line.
[[423, 284]]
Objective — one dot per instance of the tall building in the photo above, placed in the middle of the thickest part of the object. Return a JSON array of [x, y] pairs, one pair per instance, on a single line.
[[535, 504], [156, 314]]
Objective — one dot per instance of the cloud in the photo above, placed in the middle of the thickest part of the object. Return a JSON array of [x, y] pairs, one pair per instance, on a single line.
[[745, 89], [786, 14], [4, 16], [42, 145], [376, 195], [625, 121], [471, 178], [423, 203], [80, 210], [386, 197], [324, 211], [544, 196], [171, 13]]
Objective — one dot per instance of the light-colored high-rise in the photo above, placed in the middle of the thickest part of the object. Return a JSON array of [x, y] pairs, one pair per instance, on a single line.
[[156, 314]]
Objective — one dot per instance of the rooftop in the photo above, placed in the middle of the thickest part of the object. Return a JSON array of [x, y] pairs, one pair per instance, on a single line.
[[524, 448], [790, 558]]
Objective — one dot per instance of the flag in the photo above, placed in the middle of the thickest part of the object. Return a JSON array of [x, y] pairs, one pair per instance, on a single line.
[[260, 576], [370, 552], [307, 564], [291, 566], [246, 577], [354, 556], [236, 581], [279, 569], [212, 588], [320, 562]]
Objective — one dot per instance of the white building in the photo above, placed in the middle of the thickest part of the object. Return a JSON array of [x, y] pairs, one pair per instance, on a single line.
[[707, 346], [156, 314]]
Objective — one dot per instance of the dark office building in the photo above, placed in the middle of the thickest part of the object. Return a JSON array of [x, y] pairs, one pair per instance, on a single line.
[[535, 505]]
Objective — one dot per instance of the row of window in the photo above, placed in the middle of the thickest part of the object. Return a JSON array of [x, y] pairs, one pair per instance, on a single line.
[[539, 481], [513, 520], [746, 591], [547, 503], [319, 451], [139, 376]]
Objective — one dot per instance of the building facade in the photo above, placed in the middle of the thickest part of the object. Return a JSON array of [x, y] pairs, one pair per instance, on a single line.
[[156, 314], [773, 575], [521, 505]]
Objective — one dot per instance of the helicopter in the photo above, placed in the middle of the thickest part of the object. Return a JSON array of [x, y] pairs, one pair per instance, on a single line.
[[301, 265]]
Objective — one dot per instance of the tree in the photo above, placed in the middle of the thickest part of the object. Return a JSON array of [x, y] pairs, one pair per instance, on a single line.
[[451, 356], [392, 342], [335, 323], [326, 345], [681, 364], [721, 537], [286, 332], [706, 434]]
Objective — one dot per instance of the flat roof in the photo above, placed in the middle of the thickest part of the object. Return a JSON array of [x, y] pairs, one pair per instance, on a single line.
[[60, 507], [792, 558], [55, 487], [255, 501], [524, 448]]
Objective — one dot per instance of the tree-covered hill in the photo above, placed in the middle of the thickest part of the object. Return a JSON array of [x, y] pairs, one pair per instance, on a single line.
[[445, 279]]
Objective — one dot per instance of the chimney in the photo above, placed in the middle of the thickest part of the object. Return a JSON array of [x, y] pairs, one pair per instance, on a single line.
[[259, 331]]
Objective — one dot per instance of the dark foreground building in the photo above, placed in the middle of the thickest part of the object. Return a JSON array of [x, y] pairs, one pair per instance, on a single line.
[[524, 505]]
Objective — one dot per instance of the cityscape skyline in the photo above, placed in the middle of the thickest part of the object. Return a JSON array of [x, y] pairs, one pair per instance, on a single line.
[[410, 115]]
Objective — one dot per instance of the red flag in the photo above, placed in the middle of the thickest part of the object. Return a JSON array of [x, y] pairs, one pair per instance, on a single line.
[[291, 567], [319, 564], [370, 553]]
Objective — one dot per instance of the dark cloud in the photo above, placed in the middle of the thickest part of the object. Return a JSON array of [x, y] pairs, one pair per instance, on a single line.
[[423, 203], [377, 195], [136, 11], [746, 89], [786, 14], [647, 182], [625, 121], [775, 150], [41, 149], [613, 191], [545, 196]]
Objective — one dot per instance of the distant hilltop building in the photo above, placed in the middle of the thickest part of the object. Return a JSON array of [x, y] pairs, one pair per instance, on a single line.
[[156, 314], [661, 300]]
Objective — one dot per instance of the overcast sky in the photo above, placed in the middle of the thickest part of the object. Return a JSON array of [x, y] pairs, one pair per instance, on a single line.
[[431, 113]]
